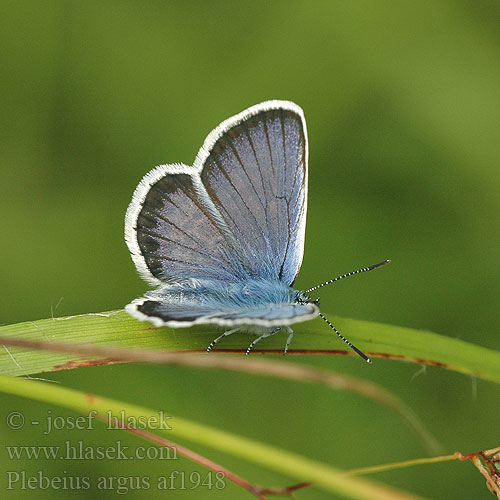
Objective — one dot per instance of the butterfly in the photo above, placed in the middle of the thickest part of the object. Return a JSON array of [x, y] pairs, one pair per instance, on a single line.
[[223, 239]]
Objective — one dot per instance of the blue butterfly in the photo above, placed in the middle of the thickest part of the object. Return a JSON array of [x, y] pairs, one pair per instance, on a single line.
[[223, 239]]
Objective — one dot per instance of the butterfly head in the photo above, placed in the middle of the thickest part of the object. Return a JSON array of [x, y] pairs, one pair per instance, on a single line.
[[302, 298]]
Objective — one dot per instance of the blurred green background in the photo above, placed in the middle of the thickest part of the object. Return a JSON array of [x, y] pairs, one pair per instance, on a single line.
[[402, 101]]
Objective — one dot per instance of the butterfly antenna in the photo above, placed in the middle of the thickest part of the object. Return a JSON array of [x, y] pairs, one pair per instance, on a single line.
[[352, 273], [353, 347]]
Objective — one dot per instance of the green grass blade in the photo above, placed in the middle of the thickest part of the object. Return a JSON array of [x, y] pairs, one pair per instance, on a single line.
[[270, 457], [119, 329]]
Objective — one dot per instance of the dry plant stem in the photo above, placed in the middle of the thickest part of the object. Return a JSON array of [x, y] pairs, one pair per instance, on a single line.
[[492, 486], [288, 491], [256, 366], [491, 473], [256, 490], [487, 453]]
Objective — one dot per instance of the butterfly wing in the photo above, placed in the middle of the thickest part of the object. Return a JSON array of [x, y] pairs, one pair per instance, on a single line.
[[238, 212], [174, 232], [178, 307], [254, 168]]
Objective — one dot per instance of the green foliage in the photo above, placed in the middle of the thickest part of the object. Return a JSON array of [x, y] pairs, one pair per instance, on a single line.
[[401, 101], [116, 328], [268, 456]]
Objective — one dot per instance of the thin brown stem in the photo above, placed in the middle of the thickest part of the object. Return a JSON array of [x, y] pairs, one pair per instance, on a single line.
[[287, 370], [489, 469], [256, 490]]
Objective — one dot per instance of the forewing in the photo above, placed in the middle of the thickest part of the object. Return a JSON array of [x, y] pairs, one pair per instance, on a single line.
[[174, 232], [254, 168]]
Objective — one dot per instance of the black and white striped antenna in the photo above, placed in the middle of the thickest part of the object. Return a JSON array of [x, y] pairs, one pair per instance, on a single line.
[[352, 273], [352, 346]]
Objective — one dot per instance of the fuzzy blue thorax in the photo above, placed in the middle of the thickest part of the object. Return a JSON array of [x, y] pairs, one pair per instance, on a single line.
[[245, 294]]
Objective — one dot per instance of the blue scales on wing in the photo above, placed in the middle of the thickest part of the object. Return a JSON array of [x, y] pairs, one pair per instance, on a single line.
[[249, 302], [256, 174], [224, 238], [180, 236]]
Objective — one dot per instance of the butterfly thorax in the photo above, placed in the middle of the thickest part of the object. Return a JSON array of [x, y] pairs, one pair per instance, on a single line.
[[247, 293]]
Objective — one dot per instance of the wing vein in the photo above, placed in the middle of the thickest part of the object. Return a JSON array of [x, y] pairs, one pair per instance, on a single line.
[[239, 195], [265, 206], [154, 213], [230, 142], [151, 232], [268, 143]]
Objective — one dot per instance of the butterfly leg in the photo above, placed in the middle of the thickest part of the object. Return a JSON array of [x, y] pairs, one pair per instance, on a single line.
[[263, 336], [289, 339], [220, 337]]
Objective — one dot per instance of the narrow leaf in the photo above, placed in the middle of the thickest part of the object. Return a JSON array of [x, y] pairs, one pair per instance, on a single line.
[[267, 456], [118, 329]]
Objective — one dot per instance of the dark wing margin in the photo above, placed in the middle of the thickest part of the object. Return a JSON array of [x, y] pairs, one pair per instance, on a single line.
[[254, 169], [174, 232]]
